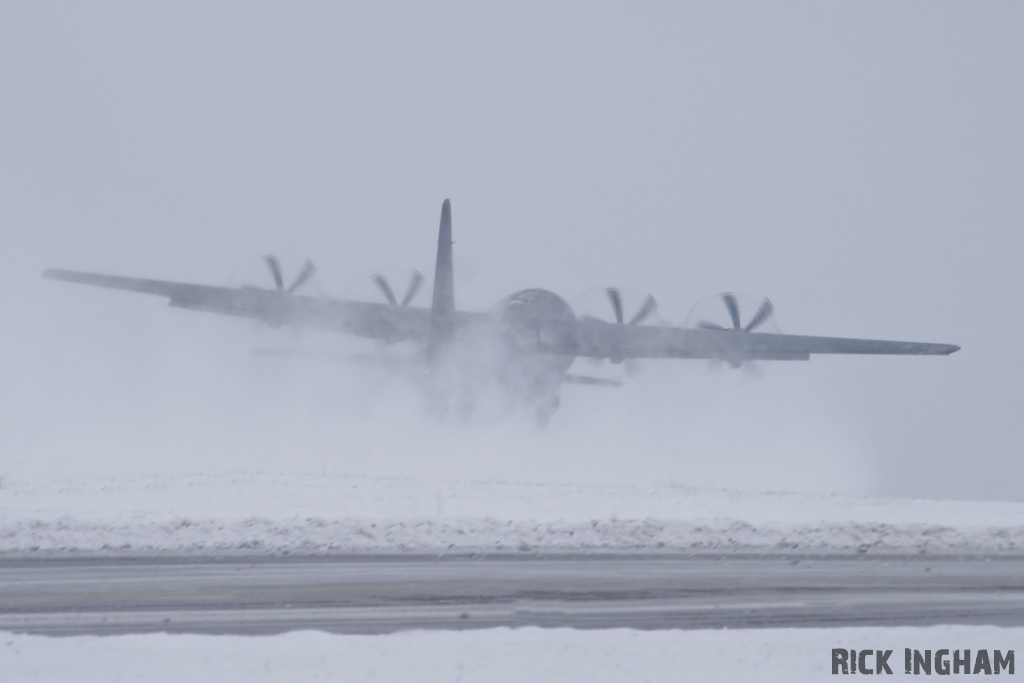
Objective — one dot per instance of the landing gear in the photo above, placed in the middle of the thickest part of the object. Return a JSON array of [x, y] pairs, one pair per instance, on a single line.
[[545, 410]]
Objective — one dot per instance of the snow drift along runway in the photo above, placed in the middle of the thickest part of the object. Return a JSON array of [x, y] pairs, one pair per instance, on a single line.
[[266, 553], [264, 513]]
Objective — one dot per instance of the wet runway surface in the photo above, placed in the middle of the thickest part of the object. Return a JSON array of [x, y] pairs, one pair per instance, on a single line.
[[382, 594]]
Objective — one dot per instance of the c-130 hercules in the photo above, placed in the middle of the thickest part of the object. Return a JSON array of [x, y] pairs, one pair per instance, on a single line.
[[524, 346]]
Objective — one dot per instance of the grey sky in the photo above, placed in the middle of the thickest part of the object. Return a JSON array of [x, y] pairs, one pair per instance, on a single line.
[[859, 163]]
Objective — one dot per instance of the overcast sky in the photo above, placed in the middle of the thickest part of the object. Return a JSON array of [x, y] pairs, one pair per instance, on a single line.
[[861, 164]]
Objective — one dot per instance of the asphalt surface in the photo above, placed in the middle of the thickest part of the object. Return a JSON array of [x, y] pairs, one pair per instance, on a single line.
[[359, 594]]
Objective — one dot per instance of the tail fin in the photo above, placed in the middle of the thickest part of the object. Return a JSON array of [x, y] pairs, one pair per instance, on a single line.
[[443, 308]]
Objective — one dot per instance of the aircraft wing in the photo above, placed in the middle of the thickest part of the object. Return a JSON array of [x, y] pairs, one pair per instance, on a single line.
[[364, 319], [607, 340], [589, 338]]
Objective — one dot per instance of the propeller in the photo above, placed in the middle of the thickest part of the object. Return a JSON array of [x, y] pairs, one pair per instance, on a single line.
[[764, 312], [308, 269], [415, 282], [648, 307]]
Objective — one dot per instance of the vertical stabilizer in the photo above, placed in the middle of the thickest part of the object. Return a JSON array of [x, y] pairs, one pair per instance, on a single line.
[[443, 307]]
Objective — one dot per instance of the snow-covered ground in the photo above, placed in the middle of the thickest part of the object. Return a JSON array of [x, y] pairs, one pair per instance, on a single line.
[[253, 512], [528, 654]]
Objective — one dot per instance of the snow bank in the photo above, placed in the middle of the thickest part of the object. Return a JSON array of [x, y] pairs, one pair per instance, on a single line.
[[267, 513], [318, 535]]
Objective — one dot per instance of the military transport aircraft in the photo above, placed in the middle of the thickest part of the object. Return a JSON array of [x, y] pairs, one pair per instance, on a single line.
[[524, 346]]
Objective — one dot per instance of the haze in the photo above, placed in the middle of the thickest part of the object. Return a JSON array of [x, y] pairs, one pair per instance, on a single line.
[[861, 164]]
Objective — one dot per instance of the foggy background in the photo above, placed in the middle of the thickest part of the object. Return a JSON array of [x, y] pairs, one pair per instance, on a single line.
[[861, 164]]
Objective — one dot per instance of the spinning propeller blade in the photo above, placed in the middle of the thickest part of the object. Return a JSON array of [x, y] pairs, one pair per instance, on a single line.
[[415, 282], [382, 284], [307, 272], [275, 270], [308, 269], [615, 298], [414, 286], [616, 301], [648, 307], [764, 312], [761, 317], [733, 308]]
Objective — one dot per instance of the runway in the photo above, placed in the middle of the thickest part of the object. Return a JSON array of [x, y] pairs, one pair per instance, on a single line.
[[382, 594]]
